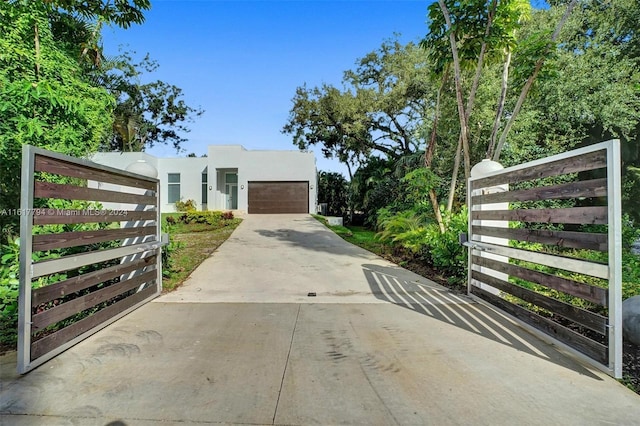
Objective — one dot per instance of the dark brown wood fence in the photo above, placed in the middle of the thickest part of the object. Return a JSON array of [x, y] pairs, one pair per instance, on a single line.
[[532, 248], [90, 250]]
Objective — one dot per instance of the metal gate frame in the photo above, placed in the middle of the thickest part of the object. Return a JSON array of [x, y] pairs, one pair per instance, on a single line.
[[612, 271], [144, 279]]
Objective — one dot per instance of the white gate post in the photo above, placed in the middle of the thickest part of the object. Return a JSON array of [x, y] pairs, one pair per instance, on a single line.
[[482, 169], [143, 168]]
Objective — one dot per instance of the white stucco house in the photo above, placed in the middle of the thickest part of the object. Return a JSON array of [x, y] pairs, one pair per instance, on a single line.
[[231, 178]]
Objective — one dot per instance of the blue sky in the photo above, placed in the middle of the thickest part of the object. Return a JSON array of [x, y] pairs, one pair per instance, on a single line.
[[241, 61]]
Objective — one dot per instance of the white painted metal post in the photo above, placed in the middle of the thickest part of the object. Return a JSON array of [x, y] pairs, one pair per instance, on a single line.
[[143, 168], [615, 256], [486, 167], [26, 227]]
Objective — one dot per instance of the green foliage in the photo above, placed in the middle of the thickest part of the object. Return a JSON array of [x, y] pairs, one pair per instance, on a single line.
[[9, 286], [380, 110], [169, 250], [44, 99], [208, 217], [186, 206], [197, 221], [441, 250], [146, 113], [333, 189], [403, 228]]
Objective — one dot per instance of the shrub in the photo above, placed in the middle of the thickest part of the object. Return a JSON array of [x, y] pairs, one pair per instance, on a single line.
[[9, 285], [445, 250], [186, 206], [227, 215]]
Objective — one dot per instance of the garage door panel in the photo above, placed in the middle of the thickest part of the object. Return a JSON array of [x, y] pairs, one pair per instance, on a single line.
[[278, 197]]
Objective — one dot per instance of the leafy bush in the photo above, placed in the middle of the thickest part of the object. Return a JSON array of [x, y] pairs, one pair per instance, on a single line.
[[9, 285], [186, 206], [445, 250], [412, 232], [206, 217], [168, 250], [333, 189], [396, 227]]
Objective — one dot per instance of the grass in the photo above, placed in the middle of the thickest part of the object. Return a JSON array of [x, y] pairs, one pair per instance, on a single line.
[[192, 244], [358, 235]]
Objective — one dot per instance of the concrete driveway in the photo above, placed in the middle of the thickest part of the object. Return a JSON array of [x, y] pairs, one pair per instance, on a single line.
[[242, 343]]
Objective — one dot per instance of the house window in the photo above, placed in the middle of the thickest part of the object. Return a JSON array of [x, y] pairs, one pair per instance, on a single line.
[[231, 178], [204, 188], [173, 180]]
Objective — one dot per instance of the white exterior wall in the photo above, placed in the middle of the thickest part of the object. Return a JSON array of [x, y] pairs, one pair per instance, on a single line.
[[190, 170], [260, 166]]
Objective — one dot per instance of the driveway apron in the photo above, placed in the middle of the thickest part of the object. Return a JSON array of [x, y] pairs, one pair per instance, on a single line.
[[288, 324]]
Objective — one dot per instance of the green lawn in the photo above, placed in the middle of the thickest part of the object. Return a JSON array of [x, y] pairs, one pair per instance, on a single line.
[[358, 235], [190, 245]]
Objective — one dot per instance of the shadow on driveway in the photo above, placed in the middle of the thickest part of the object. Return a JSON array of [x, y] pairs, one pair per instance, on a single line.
[[323, 240], [387, 284]]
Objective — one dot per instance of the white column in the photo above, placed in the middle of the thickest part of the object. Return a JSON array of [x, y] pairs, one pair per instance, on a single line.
[[140, 167], [482, 169]]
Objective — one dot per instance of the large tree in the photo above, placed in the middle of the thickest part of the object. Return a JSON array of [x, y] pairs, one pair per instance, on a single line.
[[146, 114], [44, 99], [381, 109]]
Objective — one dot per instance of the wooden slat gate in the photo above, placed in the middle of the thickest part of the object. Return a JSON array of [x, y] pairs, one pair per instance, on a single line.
[[82, 266], [531, 249]]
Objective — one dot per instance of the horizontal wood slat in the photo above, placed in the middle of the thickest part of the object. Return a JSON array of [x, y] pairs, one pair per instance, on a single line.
[[597, 295], [585, 188], [580, 266], [70, 216], [59, 338], [80, 282], [44, 242], [576, 215], [581, 163], [569, 239], [71, 262], [82, 303], [579, 316], [65, 168], [577, 341], [73, 192]]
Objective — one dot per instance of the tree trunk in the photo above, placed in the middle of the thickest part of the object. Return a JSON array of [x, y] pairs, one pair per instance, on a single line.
[[428, 153], [500, 109], [529, 83], [349, 202], [458, 85], [36, 38], [436, 209], [467, 113], [454, 176]]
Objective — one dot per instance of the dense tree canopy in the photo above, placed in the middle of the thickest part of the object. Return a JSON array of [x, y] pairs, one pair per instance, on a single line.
[[381, 109], [146, 113], [531, 83], [57, 91], [44, 99]]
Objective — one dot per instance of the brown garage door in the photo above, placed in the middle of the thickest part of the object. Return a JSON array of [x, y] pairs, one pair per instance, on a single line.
[[278, 197]]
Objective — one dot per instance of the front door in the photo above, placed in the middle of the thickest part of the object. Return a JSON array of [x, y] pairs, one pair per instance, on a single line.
[[231, 192]]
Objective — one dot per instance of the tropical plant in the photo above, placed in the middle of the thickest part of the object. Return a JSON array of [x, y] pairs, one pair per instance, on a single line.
[[333, 189]]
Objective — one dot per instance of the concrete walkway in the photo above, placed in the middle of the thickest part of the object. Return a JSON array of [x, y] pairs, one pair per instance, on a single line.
[[242, 343]]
